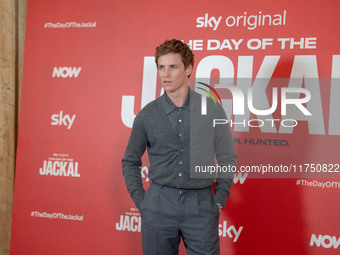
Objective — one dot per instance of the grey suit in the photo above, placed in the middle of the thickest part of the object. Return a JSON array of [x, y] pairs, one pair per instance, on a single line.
[[180, 202]]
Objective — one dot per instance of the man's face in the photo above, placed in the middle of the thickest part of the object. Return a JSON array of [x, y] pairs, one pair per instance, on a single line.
[[172, 74]]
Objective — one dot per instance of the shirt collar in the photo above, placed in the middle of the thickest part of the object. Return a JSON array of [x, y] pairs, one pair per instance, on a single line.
[[169, 106]]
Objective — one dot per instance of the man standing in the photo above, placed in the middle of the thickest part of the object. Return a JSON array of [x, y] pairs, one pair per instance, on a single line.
[[180, 140]]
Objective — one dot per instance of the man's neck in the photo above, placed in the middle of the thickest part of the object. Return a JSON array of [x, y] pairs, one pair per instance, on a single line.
[[178, 97]]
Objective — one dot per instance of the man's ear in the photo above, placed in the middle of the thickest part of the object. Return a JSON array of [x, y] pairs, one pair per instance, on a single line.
[[188, 71]]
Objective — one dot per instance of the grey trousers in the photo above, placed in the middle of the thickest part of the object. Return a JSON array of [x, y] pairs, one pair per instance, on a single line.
[[169, 214]]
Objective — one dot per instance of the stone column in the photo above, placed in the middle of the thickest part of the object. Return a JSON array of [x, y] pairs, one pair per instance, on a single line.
[[20, 39], [7, 119]]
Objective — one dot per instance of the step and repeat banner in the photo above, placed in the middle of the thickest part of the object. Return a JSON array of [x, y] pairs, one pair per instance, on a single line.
[[88, 70]]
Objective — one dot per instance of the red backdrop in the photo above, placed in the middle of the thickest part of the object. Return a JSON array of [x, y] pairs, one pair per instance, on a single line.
[[88, 69]]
